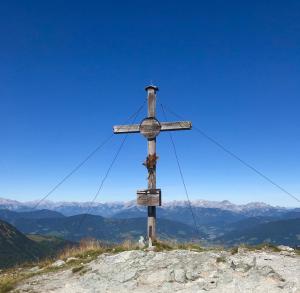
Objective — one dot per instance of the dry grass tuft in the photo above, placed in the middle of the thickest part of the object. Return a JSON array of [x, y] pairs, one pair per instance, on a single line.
[[9, 279], [91, 248], [124, 246], [6, 283], [84, 249], [172, 245], [263, 246]]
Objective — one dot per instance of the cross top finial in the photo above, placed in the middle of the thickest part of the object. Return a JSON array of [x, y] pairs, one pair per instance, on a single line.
[[151, 87]]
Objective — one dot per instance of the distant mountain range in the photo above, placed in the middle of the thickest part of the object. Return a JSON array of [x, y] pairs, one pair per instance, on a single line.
[[217, 222], [286, 232], [46, 222], [111, 209]]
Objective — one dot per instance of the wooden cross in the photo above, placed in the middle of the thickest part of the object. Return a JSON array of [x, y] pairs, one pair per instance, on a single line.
[[150, 128]]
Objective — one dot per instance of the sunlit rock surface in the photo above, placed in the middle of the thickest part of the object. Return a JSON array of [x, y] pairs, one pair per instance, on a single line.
[[176, 271]]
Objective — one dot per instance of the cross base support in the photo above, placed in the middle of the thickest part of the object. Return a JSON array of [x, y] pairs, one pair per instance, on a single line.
[[151, 223]]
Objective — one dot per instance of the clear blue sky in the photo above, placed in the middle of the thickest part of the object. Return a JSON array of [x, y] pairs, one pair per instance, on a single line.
[[69, 70]]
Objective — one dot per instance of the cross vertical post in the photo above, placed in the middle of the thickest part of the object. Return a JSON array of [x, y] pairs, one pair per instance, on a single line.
[[151, 225]]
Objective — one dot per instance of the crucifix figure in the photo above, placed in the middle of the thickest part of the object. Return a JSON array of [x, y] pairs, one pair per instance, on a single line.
[[150, 128]]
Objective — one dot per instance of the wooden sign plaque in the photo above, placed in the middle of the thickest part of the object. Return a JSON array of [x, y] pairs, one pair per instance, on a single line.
[[149, 197]]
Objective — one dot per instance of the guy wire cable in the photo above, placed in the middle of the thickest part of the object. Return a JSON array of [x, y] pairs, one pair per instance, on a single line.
[[226, 150], [90, 155], [181, 175], [109, 169]]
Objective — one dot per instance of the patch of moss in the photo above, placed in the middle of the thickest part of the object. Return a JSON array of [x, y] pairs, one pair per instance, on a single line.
[[162, 246], [234, 250], [10, 279], [77, 269], [262, 246], [221, 259], [190, 246], [6, 286]]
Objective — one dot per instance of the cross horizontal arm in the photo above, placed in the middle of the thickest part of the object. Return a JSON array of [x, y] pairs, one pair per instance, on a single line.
[[178, 125], [133, 128], [165, 126]]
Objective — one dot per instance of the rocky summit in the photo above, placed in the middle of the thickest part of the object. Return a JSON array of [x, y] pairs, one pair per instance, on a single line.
[[176, 271]]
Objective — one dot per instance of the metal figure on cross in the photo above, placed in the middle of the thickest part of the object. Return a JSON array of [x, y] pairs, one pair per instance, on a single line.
[[150, 128]]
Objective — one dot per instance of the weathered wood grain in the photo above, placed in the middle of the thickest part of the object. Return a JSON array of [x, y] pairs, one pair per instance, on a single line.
[[177, 125], [133, 128], [149, 197]]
